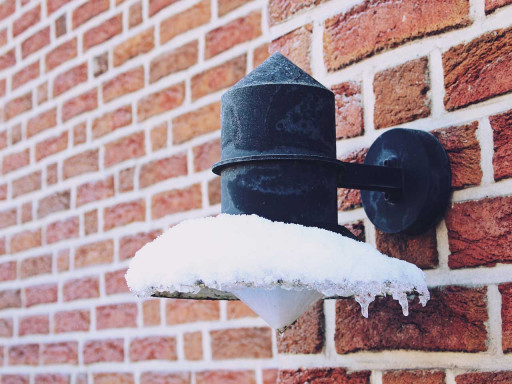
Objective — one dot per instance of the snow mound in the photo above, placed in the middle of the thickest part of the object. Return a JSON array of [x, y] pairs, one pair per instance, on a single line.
[[230, 253]]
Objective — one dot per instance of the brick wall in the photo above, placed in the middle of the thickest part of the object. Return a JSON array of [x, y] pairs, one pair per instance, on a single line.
[[111, 123]]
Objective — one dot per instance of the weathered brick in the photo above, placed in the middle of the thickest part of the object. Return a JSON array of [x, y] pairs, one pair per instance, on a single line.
[[17, 106], [226, 377], [401, 93], [60, 353], [349, 110], [41, 122], [198, 122], [241, 343], [135, 16], [33, 325], [103, 351], [62, 230], [51, 146], [492, 5], [103, 32], [77, 105], [127, 82], [506, 316], [484, 378], [130, 244], [214, 194], [62, 53], [6, 327], [295, 46], [100, 252], [357, 229], [126, 179], [281, 10], [502, 158], [8, 218], [60, 26], [205, 155], [164, 378], [134, 46], [111, 121], [100, 64], [51, 378], [23, 76], [8, 271], [81, 163], [25, 21], [70, 79], [94, 191], [26, 184], [25, 354], [35, 42], [306, 335], [453, 320], [478, 70], [176, 200], [161, 101], [113, 378], [115, 282], [159, 137], [72, 321], [88, 10], [41, 294], [16, 134], [351, 198], [323, 375], [226, 6], [179, 311], [10, 298], [191, 18], [193, 345], [151, 312], [219, 77], [163, 169], [463, 149], [91, 222], [260, 54], [413, 377], [173, 61], [377, 25], [22, 241], [116, 316], [153, 348], [56, 202]]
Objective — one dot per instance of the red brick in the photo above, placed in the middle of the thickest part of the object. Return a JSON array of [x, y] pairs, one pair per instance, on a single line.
[[3, 37], [62, 53], [225, 377], [103, 32], [25, 354], [502, 158], [159, 137], [179, 311], [116, 316], [51, 378], [100, 252], [41, 122], [176, 200], [270, 376], [16, 134], [2, 245], [82, 288], [35, 42], [60, 26], [377, 25], [281, 10], [113, 378], [63, 260], [126, 179], [80, 133], [226, 6], [463, 149], [111, 121], [26, 184], [81, 163], [163, 169], [161, 101], [23, 76], [164, 378], [22, 241], [135, 16], [351, 198], [135, 46], [25, 21], [238, 31], [41, 294], [219, 77], [349, 110], [173, 61], [6, 328], [127, 82], [59, 201], [60, 353], [479, 232], [72, 321], [193, 345], [70, 79], [94, 191], [3, 192], [35, 266], [115, 282], [42, 93], [151, 312], [196, 123], [51, 146], [53, 5], [506, 316], [153, 348], [32, 325], [62, 230], [91, 222], [17, 106], [156, 6], [77, 105], [8, 218], [214, 191], [484, 378], [323, 375], [492, 5], [187, 20], [100, 64], [7, 60], [3, 86], [26, 212], [478, 70], [453, 320], [413, 377], [88, 10], [7, 8], [15, 161], [8, 271], [15, 379], [241, 343], [238, 310], [10, 298], [295, 46], [128, 245], [125, 148], [102, 351], [205, 155]]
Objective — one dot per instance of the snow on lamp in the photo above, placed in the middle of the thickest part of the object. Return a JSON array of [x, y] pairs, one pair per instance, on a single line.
[[277, 245]]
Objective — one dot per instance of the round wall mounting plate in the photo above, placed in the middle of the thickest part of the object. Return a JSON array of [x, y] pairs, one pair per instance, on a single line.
[[426, 182]]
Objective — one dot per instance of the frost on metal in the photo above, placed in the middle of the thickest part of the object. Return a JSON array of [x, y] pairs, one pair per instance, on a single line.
[[250, 257]]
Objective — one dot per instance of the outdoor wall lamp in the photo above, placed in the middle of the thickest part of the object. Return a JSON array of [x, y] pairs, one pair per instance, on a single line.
[[277, 245]]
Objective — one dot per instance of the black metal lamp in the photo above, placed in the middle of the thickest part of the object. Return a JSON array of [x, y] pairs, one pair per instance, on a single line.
[[279, 162]]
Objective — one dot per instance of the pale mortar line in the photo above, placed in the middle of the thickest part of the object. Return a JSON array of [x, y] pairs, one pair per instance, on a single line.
[[330, 328], [436, 82], [478, 276], [316, 52], [494, 324], [485, 138], [443, 245], [376, 377], [368, 99]]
